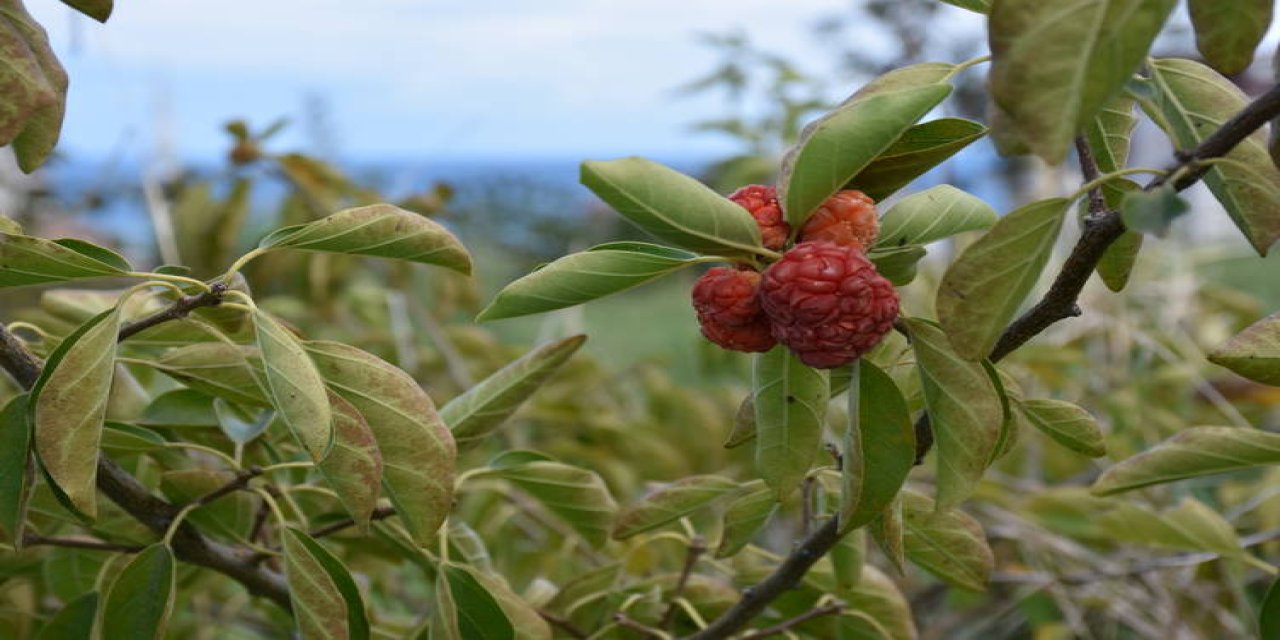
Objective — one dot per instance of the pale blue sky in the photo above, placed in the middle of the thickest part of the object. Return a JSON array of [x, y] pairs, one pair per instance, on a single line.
[[412, 78]]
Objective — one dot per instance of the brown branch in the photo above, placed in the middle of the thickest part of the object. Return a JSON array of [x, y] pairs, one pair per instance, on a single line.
[[240, 481], [786, 576], [1057, 304], [36, 540], [137, 500], [17, 360], [564, 624], [330, 529], [179, 309], [1106, 227], [697, 547], [786, 625]]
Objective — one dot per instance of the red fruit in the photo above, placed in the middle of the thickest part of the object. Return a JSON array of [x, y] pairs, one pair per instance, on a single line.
[[827, 303], [729, 310], [848, 218], [762, 202]]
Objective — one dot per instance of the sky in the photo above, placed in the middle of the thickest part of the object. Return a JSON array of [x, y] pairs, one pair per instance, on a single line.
[[411, 78]]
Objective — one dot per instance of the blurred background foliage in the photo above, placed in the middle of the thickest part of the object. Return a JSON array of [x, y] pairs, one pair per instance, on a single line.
[[649, 401]]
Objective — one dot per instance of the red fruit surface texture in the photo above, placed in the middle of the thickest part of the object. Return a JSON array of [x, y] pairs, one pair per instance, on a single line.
[[729, 310], [827, 303], [761, 202], [848, 218]]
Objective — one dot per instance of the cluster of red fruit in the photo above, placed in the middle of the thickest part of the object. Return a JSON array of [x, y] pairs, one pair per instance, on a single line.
[[823, 299]]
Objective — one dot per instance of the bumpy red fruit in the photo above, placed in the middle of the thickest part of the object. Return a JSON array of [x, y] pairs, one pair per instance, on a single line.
[[827, 303], [762, 202], [729, 310], [848, 218]]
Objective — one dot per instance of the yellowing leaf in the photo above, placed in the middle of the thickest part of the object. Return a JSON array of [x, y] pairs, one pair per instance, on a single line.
[[1253, 353], [671, 502], [68, 404], [354, 465], [417, 449], [983, 289], [1055, 64], [1197, 451], [296, 388], [379, 230]]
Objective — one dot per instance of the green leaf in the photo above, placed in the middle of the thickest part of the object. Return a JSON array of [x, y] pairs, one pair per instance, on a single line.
[[920, 149], [673, 206], [933, 214], [745, 517], [527, 622], [575, 495], [418, 452], [466, 608], [886, 614], [379, 230], [119, 438], [140, 600], [1191, 526], [99, 10], [354, 466], [1055, 64], [1068, 425], [948, 544], [1253, 353], [839, 145], [26, 260], [671, 502], [35, 89], [74, 621], [241, 427], [1227, 33], [1109, 132], [585, 276], [295, 386], [67, 407], [879, 447], [978, 6], [1194, 101], [1269, 612], [964, 409], [887, 531], [744, 424], [847, 560], [897, 264], [1118, 260], [478, 412], [983, 289], [222, 370], [1152, 211], [17, 478], [326, 601], [1194, 452], [790, 406]]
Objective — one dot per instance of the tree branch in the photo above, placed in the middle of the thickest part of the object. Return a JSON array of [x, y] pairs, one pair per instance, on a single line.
[[785, 577], [179, 309], [36, 540], [1057, 304], [136, 499], [787, 625]]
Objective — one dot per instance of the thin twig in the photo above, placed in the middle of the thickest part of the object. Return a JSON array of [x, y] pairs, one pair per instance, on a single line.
[[697, 547], [649, 632], [786, 576], [36, 540], [179, 309], [240, 481], [564, 624], [786, 625], [332, 528]]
